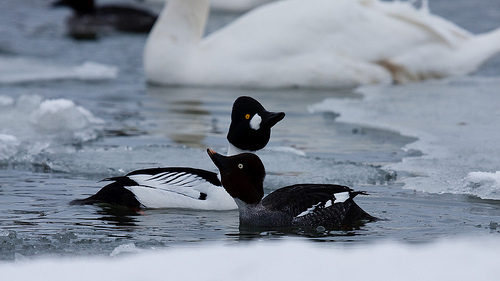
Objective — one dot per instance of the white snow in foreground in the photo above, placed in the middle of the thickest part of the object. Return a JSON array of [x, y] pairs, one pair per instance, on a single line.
[[289, 260]]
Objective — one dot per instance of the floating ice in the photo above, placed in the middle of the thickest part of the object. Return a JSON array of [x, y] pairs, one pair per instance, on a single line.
[[95, 71], [125, 249], [8, 146], [31, 124], [23, 70], [287, 149], [6, 101], [62, 115], [455, 121], [482, 184]]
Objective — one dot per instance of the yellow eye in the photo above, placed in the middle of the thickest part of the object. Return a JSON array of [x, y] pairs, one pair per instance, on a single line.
[[247, 116], [240, 166]]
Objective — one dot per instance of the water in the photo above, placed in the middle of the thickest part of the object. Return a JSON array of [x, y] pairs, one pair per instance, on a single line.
[[426, 153]]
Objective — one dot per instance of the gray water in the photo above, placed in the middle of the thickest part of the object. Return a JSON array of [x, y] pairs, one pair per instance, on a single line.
[[145, 126]]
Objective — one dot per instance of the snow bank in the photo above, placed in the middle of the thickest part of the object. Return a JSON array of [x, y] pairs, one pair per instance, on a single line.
[[291, 260]]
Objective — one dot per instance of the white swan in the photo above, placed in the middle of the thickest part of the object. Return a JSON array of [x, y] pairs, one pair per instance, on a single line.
[[311, 43], [236, 5], [225, 5]]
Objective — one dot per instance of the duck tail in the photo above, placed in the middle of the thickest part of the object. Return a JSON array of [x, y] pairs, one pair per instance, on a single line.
[[357, 192], [356, 213], [113, 194]]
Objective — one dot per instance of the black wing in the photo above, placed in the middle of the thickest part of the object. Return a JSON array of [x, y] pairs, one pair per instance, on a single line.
[[317, 204], [296, 199], [208, 176]]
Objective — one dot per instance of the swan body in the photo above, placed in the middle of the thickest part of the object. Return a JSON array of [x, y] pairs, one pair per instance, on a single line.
[[314, 43], [234, 6]]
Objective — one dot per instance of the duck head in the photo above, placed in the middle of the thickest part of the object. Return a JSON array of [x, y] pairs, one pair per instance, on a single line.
[[242, 175], [251, 124], [80, 7]]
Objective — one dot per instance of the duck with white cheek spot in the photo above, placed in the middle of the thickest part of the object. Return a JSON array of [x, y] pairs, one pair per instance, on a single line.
[[301, 205]]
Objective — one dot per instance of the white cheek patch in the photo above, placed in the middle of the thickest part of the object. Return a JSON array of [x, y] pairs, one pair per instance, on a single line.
[[340, 197], [255, 122]]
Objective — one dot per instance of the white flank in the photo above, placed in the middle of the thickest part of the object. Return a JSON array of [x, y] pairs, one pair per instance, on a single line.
[[179, 190]]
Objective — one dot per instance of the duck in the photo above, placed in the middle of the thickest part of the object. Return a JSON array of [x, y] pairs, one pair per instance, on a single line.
[[186, 187], [300, 205], [89, 21], [311, 44]]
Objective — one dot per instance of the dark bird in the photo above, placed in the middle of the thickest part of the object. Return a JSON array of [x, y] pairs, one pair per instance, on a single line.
[[89, 21], [299, 205]]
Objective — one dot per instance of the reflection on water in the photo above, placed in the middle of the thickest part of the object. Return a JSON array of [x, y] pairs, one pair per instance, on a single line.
[[199, 118], [118, 216], [183, 116]]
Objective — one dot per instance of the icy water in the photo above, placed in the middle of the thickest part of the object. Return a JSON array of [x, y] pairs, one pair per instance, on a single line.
[[74, 112]]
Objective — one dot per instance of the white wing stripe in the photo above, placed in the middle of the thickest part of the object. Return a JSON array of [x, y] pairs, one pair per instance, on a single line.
[[308, 211], [181, 178], [341, 197], [170, 180]]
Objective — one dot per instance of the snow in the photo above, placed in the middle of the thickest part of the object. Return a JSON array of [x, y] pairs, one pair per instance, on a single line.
[[459, 259]]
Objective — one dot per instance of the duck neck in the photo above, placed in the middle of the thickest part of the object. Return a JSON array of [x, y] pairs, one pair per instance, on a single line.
[[233, 150]]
